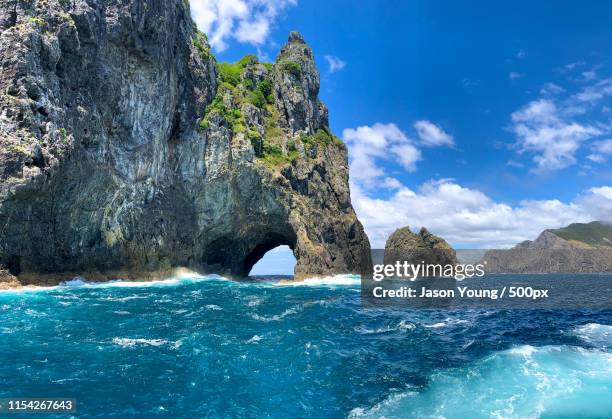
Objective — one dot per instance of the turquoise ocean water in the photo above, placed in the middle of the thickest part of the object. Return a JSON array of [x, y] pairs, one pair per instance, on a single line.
[[207, 347]]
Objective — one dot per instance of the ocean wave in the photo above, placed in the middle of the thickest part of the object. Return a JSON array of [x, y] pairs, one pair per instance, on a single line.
[[78, 282], [185, 279], [288, 312], [255, 339], [595, 334], [403, 326], [446, 323], [275, 317], [180, 279], [327, 281], [130, 343], [522, 382], [254, 301]]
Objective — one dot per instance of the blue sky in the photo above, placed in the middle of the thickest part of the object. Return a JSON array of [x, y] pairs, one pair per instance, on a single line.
[[485, 121]]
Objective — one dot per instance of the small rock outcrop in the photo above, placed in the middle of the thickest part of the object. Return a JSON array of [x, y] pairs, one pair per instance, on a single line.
[[577, 248], [127, 150], [424, 247]]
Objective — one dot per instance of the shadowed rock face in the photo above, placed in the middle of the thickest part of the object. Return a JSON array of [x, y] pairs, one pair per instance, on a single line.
[[123, 152], [404, 245]]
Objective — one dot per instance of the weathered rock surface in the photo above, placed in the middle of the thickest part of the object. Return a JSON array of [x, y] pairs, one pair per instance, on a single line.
[[125, 153], [580, 251], [404, 245]]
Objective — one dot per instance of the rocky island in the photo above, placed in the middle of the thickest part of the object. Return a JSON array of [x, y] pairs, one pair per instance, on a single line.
[[577, 248], [424, 247], [127, 150]]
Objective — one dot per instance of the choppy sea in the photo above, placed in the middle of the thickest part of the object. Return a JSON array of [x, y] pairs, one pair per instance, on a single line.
[[205, 346]]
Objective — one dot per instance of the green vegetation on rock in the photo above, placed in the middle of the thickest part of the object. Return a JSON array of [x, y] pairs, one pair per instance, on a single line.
[[291, 67], [233, 116], [322, 137], [200, 41], [595, 233], [38, 21], [261, 94], [247, 60], [229, 73], [235, 89]]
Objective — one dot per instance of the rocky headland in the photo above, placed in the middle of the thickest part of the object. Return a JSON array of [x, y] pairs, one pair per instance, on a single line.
[[577, 248], [127, 150]]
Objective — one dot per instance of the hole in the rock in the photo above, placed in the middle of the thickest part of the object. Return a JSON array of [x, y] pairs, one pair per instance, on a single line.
[[278, 261]]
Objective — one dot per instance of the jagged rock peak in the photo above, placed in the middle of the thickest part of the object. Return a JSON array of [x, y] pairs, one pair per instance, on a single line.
[[296, 91], [295, 36], [546, 240]]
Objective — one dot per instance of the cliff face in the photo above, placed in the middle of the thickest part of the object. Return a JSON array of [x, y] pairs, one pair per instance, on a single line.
[[404, 245], [584, 249], [125, 149]]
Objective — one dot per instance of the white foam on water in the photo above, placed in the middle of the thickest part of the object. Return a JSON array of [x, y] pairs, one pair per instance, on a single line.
[[595, 334], [402, 326], [179, 279], [76, 282], [435, 325], [130, 343], [327, 281], [522, 382], [255, 339], [446, 323], [275, 317], [254, 301]]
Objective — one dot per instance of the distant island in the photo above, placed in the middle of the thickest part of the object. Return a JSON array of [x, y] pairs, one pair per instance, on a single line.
[[577, 248]]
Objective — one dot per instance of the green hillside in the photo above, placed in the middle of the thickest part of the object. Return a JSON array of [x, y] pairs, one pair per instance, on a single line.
[[593, 234]]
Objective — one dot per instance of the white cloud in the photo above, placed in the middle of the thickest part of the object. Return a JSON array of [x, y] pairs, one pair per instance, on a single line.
[[514, 75], [555, 126], [335, 63], [604, 146], [602, 149], [464, 216], [432, 135], [540, 127], [370, 145], [589, 75], [572, 66], [513, 163], [469, 218], [595, 92], [597, 158], [550, 89], [247, 21]]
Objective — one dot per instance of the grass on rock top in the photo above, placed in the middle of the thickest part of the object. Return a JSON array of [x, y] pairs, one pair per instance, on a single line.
[[234, 91], [595, 233]]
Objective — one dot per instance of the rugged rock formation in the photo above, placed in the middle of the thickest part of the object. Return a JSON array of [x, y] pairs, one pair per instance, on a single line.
[[576, 248], [404, 245], [127, 150]]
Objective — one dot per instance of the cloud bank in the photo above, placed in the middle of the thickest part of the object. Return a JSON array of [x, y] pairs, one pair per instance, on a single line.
[[464, 216], [247, 21]]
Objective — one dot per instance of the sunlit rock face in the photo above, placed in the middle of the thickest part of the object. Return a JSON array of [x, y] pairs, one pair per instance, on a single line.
[[127, 150], [418, 248]]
